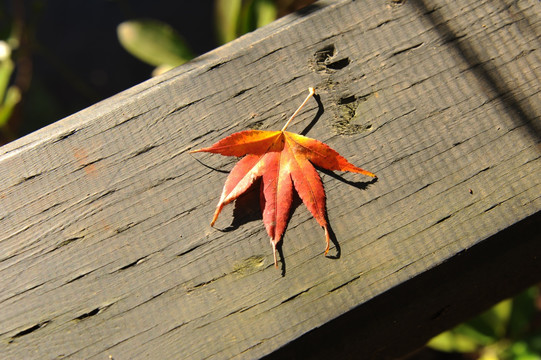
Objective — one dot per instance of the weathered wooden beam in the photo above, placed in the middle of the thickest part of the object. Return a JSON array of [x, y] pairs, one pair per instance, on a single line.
[[105, 247]]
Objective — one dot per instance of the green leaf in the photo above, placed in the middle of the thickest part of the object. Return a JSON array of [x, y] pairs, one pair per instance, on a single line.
[[227, 19], [13, 96], [522, 312], [266, 12], [493, 322], [158, 70], [236, 17], [522, 350], [475, 334], [153, 42], [483, 330], [256, 13], [505, 331], [453, 341], [6, 69]]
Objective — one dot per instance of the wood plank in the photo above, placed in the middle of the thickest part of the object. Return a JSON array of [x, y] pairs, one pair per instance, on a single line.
[[105, 247]]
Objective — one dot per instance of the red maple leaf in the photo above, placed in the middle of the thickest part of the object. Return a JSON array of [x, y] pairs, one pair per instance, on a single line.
[[284, 160]]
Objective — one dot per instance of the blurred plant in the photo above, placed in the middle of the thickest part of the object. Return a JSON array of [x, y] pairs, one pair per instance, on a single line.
[[15, 68], [237, 17], [509, 330], [10, 95], [158, 44], [155, 43]]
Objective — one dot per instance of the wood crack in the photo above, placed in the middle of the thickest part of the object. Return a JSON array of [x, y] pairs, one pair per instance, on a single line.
[[132, 264], [29, 330], [141, 151], [204, 283], [345, 284], [406, 49], [65, 135], [295, 296], [185, 252]]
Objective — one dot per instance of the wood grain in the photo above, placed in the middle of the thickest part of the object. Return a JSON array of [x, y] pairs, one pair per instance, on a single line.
[[105, 247]]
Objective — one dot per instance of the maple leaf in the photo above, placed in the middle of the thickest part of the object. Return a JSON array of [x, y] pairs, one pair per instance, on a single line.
[[283, 160]]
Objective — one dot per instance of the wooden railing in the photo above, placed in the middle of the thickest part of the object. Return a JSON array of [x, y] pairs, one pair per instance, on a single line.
[[105, 243]]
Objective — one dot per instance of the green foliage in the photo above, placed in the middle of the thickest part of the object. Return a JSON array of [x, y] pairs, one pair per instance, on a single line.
[[158, 44], [227, 19], [9, 95], [506, 331], [154, 42], [236, 17]]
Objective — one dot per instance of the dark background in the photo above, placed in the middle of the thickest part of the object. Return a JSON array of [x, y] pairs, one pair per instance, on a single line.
[[70, 57]]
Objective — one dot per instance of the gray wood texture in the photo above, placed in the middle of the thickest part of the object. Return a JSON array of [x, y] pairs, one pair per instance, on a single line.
[[105, 243]]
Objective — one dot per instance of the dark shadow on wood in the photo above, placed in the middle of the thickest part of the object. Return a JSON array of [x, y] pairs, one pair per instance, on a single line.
[[334, 240], [247, 208], [454, 291], [208, 166], [521, 113], [307, 10], [361, 185], [281, 258], [320, 111]]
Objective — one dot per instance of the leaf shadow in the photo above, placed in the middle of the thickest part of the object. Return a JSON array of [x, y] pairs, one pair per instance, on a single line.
[[335, 242], [282, 258], [209, 167], [320, 111], [295, 203], [247, 208], [361, 185]]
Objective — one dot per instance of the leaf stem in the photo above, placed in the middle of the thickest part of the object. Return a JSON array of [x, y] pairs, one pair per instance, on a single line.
[[312, 92]]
